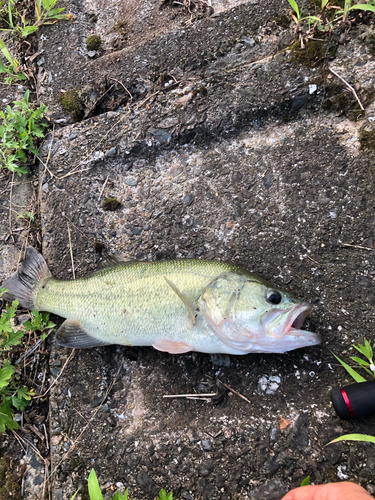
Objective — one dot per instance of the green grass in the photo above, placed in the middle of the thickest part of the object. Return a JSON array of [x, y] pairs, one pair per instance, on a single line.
[[20, 125], [13, 395], [96, 494]]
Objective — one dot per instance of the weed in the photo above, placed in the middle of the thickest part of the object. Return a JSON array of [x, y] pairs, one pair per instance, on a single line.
[[20, 27], [13, 68], [306, 481], [354, 437], [14, 397], [96, 494], [20, 126], [27, 216], [368, 364], [324, 21]]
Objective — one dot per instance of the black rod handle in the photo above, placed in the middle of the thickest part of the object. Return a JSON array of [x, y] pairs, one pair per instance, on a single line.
[[355, 400]]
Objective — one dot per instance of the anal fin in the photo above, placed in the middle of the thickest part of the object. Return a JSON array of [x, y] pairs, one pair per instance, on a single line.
[[71, 334], [172, 346], [188, 304]]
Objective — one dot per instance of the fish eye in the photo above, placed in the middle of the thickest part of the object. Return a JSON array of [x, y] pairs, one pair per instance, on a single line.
[[274, 297]]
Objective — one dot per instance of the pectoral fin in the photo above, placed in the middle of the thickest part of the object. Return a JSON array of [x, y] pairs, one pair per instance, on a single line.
[[188, 303], [172, 347], [71, 334]]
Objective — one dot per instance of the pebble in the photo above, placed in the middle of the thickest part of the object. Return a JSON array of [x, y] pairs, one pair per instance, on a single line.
[[130, 181], [188, 199], [91, 54], [111, 152]]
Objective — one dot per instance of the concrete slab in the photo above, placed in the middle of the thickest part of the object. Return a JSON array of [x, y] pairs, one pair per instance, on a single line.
[[228, 148]]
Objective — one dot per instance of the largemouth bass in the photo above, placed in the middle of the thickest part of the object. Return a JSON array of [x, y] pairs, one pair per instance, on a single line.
[[174, 305]]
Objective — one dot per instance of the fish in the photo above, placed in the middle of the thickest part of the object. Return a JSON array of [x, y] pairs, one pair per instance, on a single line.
[[176, 306]]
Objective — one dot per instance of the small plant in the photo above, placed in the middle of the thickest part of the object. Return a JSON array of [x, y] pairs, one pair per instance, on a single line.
[[368, 364], [348, 7], [27, 216], [20, 27], [13, 69], [46, 14], [20, 125], [354, 437], [96, 494], [14, 397], [306, 481]]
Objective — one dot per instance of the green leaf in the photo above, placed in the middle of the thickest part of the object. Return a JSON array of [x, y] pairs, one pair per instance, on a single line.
[[364, 6], [354, 437], [5, 51], [6, 373], [75, 494], [362, 349], [306, 481], [11, 339], [360, 361], [118, 496], [294, 6], [357, 377], [94, 488], [23, 398], [369, 348], [6, 417]]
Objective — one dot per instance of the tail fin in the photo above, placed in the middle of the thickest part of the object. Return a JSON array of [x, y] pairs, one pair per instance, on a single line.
[[23, 283]]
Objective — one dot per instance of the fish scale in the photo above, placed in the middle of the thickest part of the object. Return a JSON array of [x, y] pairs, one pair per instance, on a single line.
[[174, 305]]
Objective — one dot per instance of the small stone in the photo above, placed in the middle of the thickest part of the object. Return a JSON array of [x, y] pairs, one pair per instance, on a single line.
[[91, 54], [130, 181], [111, 152], [168, 122], [249, 42], [188, 199], [71, 137], [206, 445], [161, 135], [45, 188], [135, 230], [41, 61]]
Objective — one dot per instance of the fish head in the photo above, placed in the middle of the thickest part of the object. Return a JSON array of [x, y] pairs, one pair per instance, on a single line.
[[250, 315]]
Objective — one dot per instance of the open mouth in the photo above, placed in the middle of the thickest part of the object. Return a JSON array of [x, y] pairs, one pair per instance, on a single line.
[[296, 318]]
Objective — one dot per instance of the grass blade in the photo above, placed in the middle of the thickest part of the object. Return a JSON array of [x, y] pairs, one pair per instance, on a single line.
[[354, 437], [357, 377]]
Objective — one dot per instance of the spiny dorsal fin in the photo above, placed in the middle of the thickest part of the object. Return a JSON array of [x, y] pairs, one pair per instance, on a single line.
[[71, 334], [188, 303], [111, 260]]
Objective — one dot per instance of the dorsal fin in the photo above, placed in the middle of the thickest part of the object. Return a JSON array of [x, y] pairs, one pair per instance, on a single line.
[[109, 260], [185, 299]]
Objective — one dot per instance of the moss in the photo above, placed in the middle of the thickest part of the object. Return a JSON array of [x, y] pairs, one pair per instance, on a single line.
[[72, 103], [312, 55], [93, 42], [284, 21], [10, 484], [202, 90], [122, 28], [367, 139], [111, 204]]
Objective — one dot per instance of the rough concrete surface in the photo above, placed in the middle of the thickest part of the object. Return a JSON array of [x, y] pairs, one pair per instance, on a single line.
[[218, 142]]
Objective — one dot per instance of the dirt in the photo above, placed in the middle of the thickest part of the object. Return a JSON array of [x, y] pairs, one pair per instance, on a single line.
[[215, 142]]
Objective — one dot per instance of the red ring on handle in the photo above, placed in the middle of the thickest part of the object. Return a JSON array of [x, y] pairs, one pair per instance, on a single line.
[[347, 402]]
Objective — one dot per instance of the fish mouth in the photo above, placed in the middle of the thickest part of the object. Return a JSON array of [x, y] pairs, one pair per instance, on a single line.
[[295, 319]]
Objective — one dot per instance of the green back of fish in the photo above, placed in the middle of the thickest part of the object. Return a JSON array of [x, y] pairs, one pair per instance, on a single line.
[[134, 299]]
